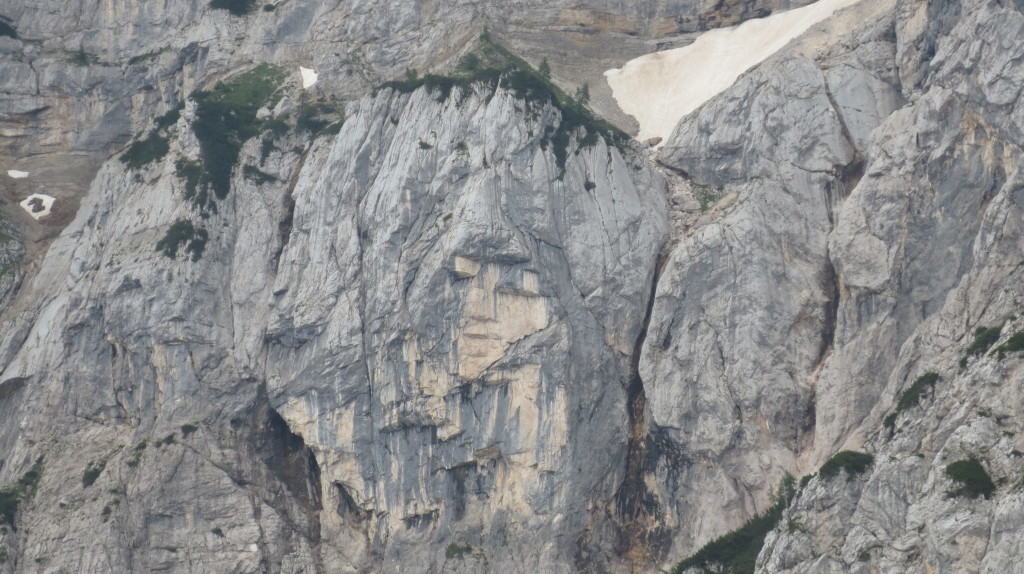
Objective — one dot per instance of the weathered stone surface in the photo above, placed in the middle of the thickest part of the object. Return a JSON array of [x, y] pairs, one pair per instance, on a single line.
[[421, 345], [441, 315], [927, 247]]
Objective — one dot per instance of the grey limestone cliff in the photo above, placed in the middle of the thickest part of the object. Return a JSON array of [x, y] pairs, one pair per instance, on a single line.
[[451, 326]]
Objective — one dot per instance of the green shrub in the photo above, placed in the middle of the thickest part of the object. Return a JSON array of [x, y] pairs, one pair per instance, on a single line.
[[736, 552], [1012, 345], [82, 58], [852, 462], [266, 147], [166, 441], [12, 497], [457, 551], [137, 454], [973, 479], [187, 429], [316, 116], [269, 7], [226, 119], [889, 421], [218, 532], [191, 173], [142, 152], [707, 196], [984, 338], [235, 7], [92, 472], [6, 29], [183, 234], [170, 118], [912, 396], [469, 63], [276, 126], [492, 65]]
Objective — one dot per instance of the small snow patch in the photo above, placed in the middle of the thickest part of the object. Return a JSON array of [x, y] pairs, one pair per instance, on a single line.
[[659, 89], [309, 77], [38, 205], [16, 174]]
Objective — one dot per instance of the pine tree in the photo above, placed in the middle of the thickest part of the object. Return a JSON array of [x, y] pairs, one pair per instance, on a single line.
[[583, 94], [545, 69]]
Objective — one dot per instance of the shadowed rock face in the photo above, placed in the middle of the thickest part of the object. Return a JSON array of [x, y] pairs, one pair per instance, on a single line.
[[422, 342]]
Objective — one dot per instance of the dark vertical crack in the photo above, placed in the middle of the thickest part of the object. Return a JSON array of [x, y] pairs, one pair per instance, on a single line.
[[846, 179], [642, 535], [830, 284]]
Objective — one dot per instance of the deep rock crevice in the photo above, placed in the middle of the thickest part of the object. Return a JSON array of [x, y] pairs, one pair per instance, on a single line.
[[643, 537]]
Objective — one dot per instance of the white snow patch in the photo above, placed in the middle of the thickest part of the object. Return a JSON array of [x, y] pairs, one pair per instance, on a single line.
[[309, 77], [17, 174], [659, 89], [38, 205]]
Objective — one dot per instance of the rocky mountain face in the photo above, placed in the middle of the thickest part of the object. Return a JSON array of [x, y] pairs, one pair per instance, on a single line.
[[459, 324]]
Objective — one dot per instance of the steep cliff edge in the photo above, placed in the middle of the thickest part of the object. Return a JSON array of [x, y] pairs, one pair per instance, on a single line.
[[456, 323], [377, 348]]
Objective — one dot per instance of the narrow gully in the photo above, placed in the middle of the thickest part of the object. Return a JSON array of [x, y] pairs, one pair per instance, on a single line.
[[636, 509]]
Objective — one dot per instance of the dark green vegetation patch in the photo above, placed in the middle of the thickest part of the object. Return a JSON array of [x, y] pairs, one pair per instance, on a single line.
[[145, 151], [155, 146], [236, 7], [984, 338], [83, 58], [191, 172], [137, 454], [912, 396], [853, 463], [972, 478], [6, 29], [315, 117], [170, 118], [493, 65], [736, 552], [1014, 344], [226, 119], [12, 497], [457, 551], [183, 234], [92, 472]]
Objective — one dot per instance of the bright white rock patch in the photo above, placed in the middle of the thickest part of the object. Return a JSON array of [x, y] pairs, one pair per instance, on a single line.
[[16, 174], [38, 205], [309, 77], [659, 89]]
